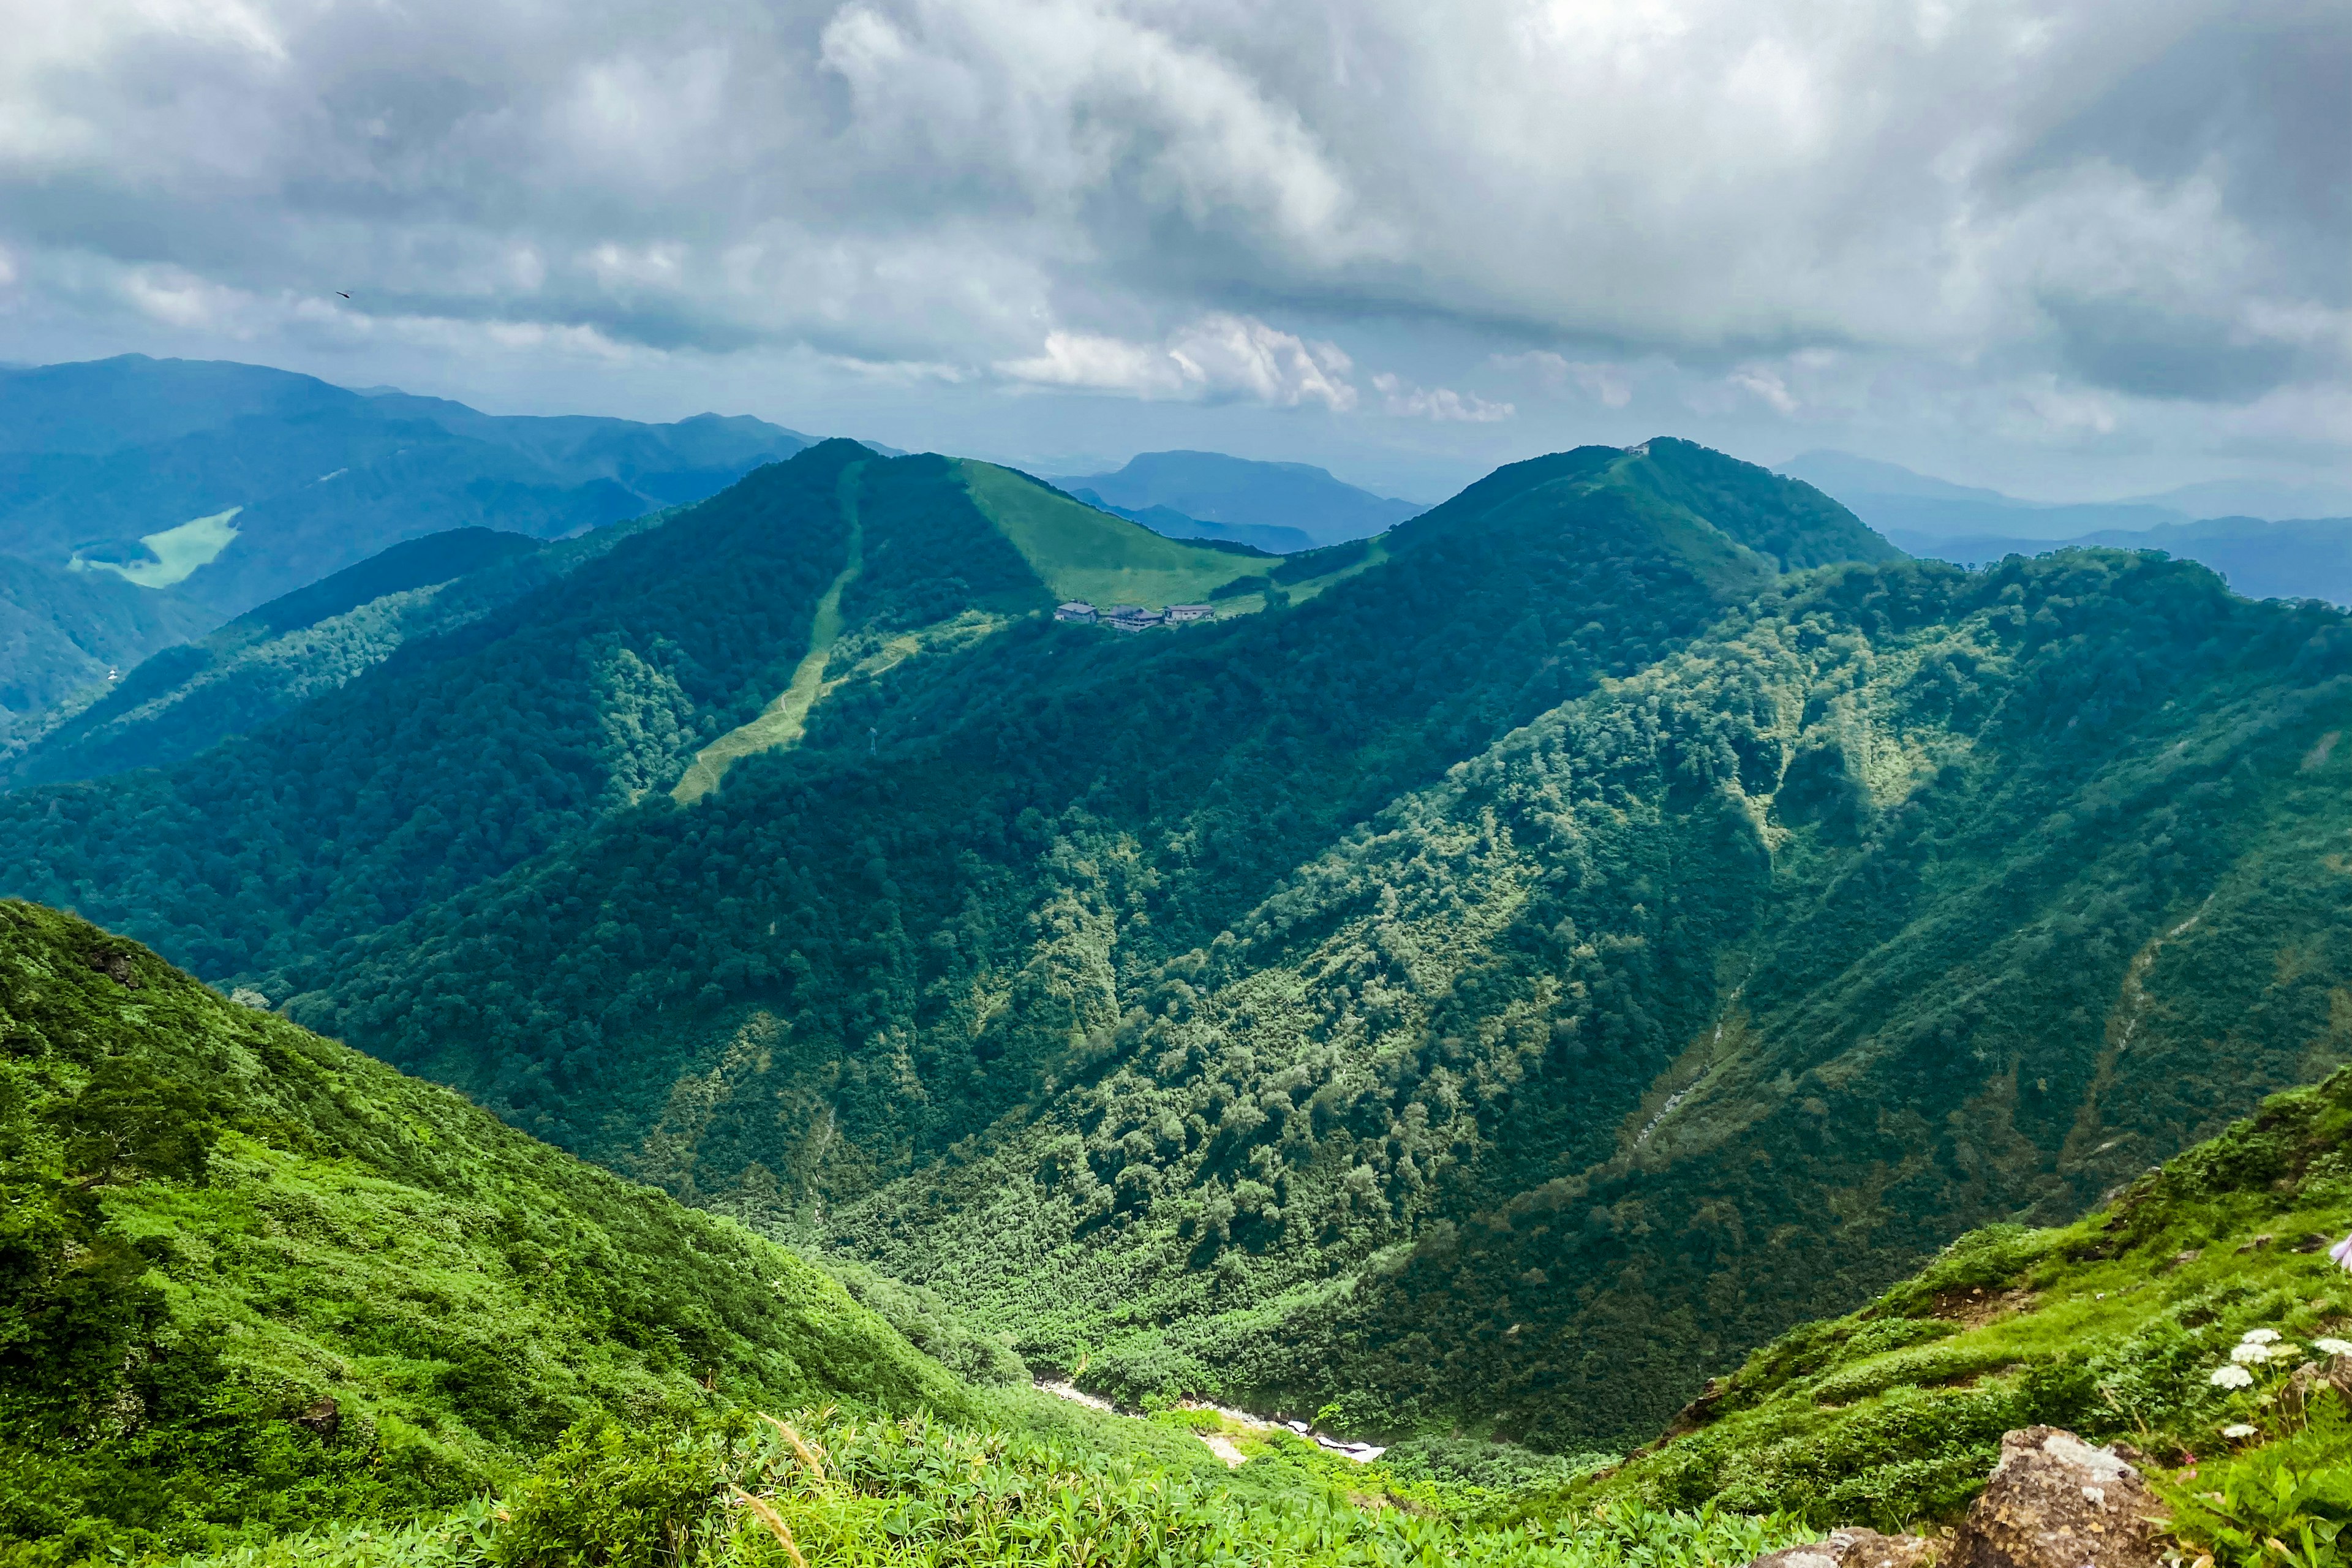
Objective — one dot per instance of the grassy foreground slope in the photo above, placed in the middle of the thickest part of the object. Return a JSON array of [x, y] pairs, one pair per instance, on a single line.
[[2112, 1326], [250, 1280]]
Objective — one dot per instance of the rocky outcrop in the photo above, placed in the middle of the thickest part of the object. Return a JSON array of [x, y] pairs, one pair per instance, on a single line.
[[2053, 1501], [1852, 1548]]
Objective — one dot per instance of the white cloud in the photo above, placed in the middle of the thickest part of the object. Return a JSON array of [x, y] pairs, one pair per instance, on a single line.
[[1609, 384], [1442, 404], [1767, 386], [2024, 221], [1216, 357]]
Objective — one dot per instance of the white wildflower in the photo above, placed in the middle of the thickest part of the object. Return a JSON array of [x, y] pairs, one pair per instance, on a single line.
[[2256, 1353], [2333, 1347], [2237, 1430], [2259, 1337], [2341, 1252], [2231, 1376]]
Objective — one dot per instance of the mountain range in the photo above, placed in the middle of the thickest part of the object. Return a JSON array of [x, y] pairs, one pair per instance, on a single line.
[[1894, 499], [2307, 555], [144, 501], [1442, 984], [1598, 936], [295, 479], [1280, 508]]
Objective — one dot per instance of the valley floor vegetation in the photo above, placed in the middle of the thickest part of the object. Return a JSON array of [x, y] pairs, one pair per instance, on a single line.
[[269, 1303]]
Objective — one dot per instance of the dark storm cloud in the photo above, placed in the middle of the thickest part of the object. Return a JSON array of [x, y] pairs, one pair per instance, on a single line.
[[2153, 353], [2261, 100]]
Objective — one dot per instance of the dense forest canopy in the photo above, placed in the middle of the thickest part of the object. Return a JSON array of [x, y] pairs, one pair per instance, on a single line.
[[1456, 982]]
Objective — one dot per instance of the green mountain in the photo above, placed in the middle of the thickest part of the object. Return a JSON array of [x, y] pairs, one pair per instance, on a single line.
[[270, 660], [470, 752], [787, 854], [1238, 497], [64, 635], [1491, 977], [230, 485], [252, 1280]]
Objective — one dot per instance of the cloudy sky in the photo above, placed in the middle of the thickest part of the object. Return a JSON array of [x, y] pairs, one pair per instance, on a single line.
[[2073, 248]]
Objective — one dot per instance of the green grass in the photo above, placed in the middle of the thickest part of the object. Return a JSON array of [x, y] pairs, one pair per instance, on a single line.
[[1082, 553], [2110, 1326], [178, 551], [251, 1280], [782, 723], [829, 1490]]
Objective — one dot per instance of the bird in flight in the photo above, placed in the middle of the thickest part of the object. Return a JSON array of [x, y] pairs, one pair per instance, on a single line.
[[341, 294]]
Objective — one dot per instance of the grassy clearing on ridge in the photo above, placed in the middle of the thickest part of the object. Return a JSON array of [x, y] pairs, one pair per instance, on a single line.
[[1082, 554], [178, 551]]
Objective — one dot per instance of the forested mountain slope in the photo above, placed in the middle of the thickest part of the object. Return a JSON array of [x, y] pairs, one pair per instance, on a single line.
[[272, 659], [252, 1280], [1705, 1004], [1054, 806], [1913, 898], [949, 928], [63, 633], [463, 753]]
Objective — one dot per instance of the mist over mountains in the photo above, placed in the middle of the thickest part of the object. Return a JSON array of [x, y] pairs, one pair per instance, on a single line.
[[2268, 539]]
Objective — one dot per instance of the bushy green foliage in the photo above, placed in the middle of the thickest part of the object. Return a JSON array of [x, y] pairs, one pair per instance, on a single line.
[[2111, 1327], [931, 1325], [251, 1280], [832, 1491], [2284, 1505]]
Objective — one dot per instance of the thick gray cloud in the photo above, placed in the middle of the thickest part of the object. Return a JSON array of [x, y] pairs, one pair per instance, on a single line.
[[2078, 243]]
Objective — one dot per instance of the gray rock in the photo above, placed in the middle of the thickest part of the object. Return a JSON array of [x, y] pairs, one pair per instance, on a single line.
[[2055, 1501], [1852, 1549]]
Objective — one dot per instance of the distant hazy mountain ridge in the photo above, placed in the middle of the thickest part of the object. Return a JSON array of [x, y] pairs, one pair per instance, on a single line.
[[2305, 559], [271, 659], [62, 633], [1219, 497], [97, 459]]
